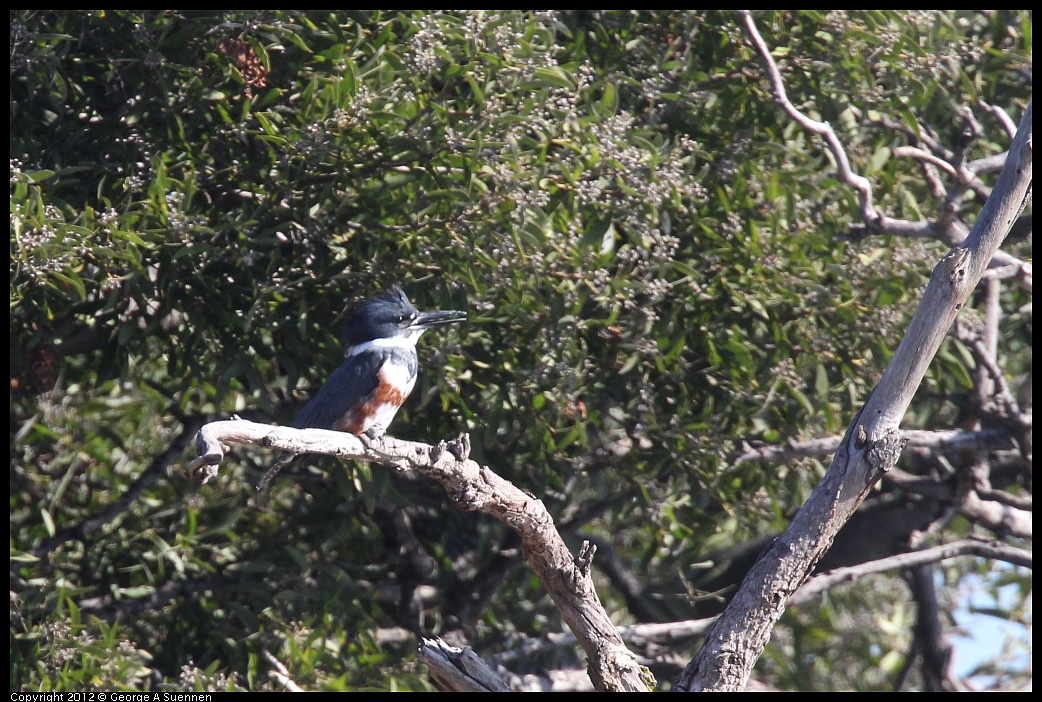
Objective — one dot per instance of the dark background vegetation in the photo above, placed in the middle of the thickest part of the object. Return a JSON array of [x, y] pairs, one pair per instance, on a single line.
[[658, 268]]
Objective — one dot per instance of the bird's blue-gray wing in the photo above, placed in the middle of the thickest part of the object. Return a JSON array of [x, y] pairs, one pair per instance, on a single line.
[[350, 384]]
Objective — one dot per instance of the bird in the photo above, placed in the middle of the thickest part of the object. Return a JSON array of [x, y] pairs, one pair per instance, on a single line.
[[363, 395]]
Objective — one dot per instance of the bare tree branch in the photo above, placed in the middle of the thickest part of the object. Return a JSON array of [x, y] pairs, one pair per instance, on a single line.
[[927, 157], [824, 129], [992, 389], [964, 174], [872, 443], [471, 486], [999, 516], [946, 227], [666, 635], [996, 516], [459, 669], [1002, 116], [656, 639], [930, 644], [993, 550], [989, 164], [946, 440]]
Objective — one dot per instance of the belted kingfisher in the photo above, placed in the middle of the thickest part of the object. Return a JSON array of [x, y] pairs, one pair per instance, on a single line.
[[378, 373]]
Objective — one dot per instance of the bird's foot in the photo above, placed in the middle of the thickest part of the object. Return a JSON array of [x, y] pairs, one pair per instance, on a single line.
[[370, 435]]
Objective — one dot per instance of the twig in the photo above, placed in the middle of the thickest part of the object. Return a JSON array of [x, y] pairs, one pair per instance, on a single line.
[[992, 550], [941, 441], [921, 155], [823, 129], [1002, 116], [279, 673]]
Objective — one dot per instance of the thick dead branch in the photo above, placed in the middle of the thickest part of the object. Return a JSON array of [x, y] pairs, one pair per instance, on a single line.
[[471, 486], [872, 443], [998, 515], [931, 645], [458, 669]]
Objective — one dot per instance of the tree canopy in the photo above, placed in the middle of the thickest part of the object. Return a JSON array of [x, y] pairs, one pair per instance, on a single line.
[[679, 297]]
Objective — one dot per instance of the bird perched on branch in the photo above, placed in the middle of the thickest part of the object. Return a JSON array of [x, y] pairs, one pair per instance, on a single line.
[[378, 373]]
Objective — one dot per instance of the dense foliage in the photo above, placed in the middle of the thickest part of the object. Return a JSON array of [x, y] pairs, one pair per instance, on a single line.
[[658, 266]]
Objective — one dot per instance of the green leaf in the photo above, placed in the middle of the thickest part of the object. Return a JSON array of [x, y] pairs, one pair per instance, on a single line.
[[555, 76], [879, 158], [38, 176], [266, 124]]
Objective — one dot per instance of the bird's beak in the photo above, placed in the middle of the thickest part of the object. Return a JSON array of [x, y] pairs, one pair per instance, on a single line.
[[426, 320]]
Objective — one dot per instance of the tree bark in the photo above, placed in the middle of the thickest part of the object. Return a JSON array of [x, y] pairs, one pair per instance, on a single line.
[[870, 447]]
